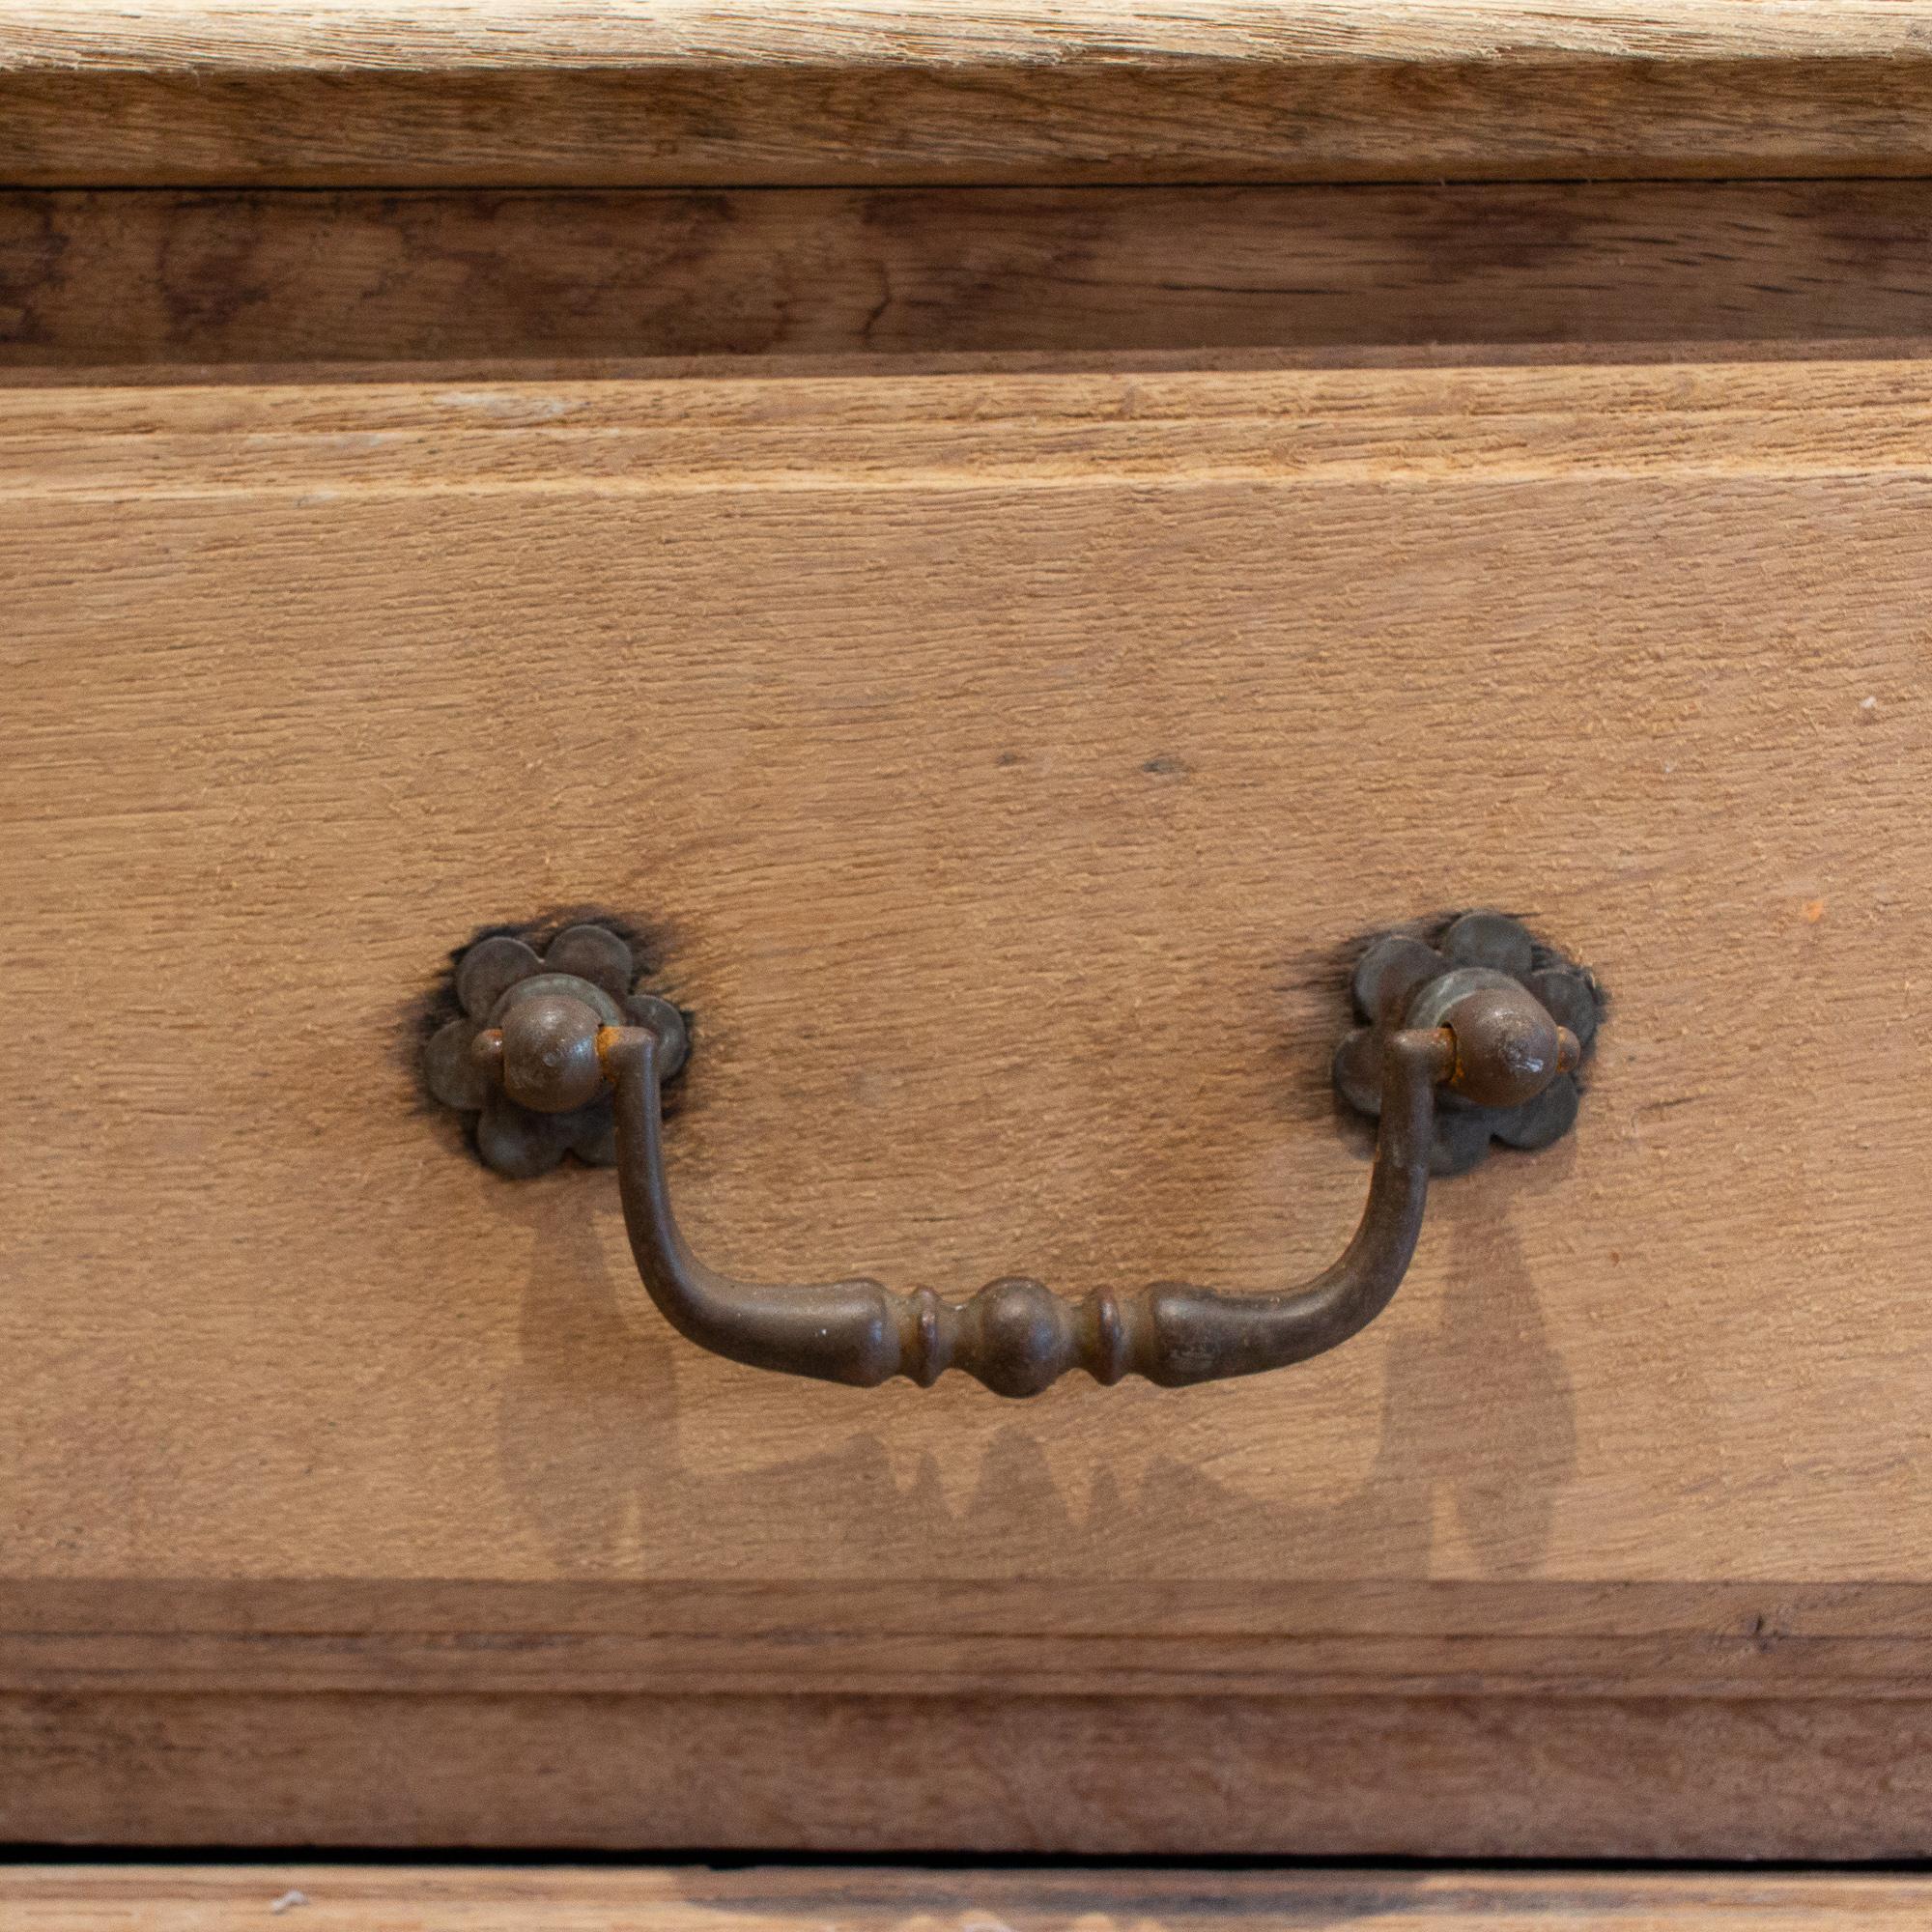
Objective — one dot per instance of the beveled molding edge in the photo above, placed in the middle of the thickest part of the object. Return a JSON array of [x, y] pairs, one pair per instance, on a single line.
[[1444, 1778], [779, 281], [497, 95], [943, 1636], [428, 1895]]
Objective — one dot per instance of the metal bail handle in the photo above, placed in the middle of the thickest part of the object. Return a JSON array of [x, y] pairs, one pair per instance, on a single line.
[[1459, 1045]]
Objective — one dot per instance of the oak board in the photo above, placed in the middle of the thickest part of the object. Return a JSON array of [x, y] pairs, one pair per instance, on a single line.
[[430, 1899], [1475, 1776], [499, 92], [144, 279], [1004, 769]]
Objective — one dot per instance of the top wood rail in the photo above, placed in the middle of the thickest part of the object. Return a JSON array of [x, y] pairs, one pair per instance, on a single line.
[[519, 92], [345, 34]]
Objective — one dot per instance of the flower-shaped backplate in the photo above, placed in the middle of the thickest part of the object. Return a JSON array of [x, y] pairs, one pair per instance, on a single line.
[[589, 962], [1388, 985]]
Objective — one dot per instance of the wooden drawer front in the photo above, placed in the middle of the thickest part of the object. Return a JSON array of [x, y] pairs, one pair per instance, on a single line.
[[1004, 770]]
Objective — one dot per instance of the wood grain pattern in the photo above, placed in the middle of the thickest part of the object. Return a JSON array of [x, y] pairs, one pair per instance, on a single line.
[[895, 709], [464, 92], [918, 1638], [949, 34], [1471, 1778], [91, 279], [430, 1899], [961, 741]]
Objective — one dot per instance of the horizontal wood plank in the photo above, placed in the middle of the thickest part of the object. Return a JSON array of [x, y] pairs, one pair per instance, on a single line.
[[944, 1637], [1476, 1778], [518, 93], [951, 34], [93, 279], [432, 1898]]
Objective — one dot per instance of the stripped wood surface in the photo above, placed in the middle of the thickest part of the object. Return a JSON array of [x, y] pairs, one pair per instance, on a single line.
[[1004, 769], [503, 92], [948, 34], [777, 1898], [185, 278], [1470, 1777], [918, 703], [956, 1637]]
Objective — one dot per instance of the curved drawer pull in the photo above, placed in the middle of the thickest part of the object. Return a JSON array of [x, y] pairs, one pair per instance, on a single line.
[[1477, 1030]]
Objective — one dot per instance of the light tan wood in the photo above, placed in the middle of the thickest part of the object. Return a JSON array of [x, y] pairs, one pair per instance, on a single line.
[[430, 1899], [896, 709], [178, 277], [965, 742], [732, 95], [945, 34], [1473, 1777]]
